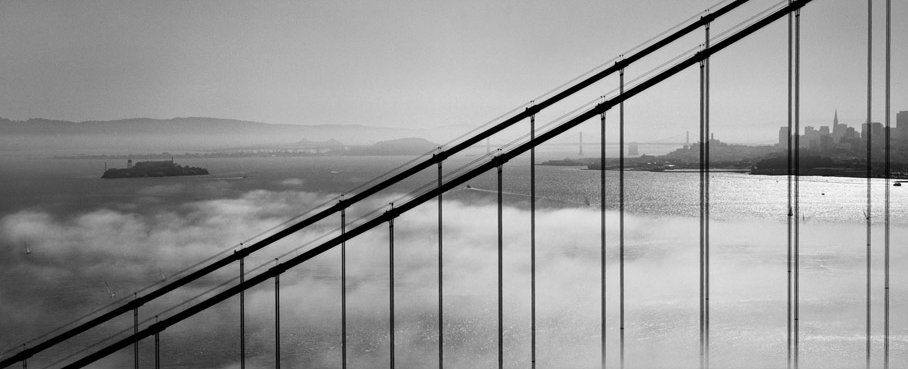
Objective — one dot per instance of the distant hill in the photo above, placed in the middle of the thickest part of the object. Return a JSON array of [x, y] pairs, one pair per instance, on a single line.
[[403, 146], [58, 137], [188, 126]]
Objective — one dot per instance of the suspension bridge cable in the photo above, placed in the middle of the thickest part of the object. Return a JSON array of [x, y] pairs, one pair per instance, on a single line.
[[533, 245], [500, 274], [620, 217], [391, 291], [593, 101], [282, 267], [174, 307], [651, 47], [869, 169], [701, 230], [706, 196], [648, 42], [120, 301], [602, 315], [797, 186], [135, 329], [888, 172], [420, 190], [242, 316], [157, 350], [441, 326], [788, 316], [343, 214], [277, 321]]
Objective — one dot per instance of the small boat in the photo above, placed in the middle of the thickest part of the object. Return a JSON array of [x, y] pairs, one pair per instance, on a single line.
[[897, 184]]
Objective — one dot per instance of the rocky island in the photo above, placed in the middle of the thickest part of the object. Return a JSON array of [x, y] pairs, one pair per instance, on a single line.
[[166, 168]]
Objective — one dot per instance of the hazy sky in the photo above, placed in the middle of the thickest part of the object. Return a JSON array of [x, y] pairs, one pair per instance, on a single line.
[[409, 63]]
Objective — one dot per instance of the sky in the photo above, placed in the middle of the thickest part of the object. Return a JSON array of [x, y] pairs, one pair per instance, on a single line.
[[419, 63]]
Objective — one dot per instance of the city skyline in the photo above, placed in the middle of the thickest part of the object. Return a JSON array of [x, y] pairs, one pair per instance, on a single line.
[[841, 136], [406, 64]]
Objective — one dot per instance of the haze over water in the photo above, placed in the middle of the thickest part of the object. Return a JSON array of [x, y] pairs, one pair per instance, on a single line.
[[85, 233]]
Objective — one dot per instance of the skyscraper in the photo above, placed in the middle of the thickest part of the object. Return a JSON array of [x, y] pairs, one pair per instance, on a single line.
[[838, 130], [875, 133], [901, 124]]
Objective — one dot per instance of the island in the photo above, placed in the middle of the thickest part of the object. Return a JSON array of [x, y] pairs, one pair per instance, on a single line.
[[165, 168]]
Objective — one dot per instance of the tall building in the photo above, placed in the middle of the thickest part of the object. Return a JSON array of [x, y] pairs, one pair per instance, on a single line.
[[812, 138], [901, 124], [783, 136], [838, 130], [875, 133]]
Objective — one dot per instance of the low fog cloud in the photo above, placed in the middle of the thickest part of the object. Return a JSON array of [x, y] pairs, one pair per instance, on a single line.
[[72, 258]]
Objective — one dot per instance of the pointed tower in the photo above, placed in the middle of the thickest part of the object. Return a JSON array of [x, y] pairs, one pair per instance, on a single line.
[[838, 130]]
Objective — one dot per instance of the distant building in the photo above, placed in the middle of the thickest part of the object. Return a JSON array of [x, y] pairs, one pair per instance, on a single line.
[[875, 133], [840, 137], [838, 130], [783, 136], [901, 124], [851, 134], [811, 138]]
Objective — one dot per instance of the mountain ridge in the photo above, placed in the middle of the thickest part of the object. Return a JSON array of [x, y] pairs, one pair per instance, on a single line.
[[62, 137]]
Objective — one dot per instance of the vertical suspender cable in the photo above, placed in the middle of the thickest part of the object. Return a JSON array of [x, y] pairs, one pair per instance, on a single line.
[[797, 185], [706, 206], [621, 218], [277, 321], [602, 237], [790, 214], [135, 330], [702, 250], [391, 284], [242, 315], [500, 285], [343, 291], [869, 169], [441, 329], [700, 194], [533, 244], [888, 169], [157, 349]]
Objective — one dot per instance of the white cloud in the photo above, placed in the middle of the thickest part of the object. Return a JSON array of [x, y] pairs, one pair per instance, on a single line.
[[73, 256]]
